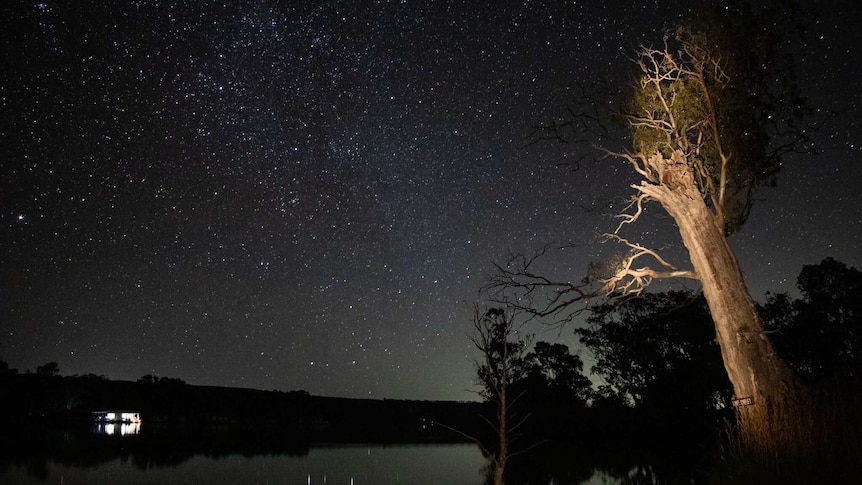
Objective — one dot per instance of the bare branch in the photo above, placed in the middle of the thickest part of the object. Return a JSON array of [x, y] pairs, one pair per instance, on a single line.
[[582, 124], [637, 201], [638, 161], [516, 285], [465, 435], [628, 280]]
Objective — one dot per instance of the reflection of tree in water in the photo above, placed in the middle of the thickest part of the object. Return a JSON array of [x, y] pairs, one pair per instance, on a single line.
[[573, 465], [638, 475], [550, 463], [654, 468]]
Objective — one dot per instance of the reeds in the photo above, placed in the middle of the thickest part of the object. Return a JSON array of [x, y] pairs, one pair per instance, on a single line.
[[817, 439]]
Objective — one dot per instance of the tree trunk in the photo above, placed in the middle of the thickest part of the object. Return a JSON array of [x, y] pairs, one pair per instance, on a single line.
[[764, 385], [498, 472], [502, 433]]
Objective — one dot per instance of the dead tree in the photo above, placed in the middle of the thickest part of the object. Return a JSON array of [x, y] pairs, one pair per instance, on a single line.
[[497, 369]]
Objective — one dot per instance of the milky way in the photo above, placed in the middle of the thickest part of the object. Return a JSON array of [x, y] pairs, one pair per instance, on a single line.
[[307, 195]]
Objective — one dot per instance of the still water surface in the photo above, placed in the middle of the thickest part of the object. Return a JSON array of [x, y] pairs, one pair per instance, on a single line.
[[343, 464]]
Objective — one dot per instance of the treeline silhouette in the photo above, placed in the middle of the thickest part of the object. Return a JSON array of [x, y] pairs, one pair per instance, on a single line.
[[662, 390], [32, 398], [48, 417], [657, 402]]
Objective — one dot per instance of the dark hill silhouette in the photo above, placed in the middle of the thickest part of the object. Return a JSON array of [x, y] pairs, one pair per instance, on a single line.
[[37, 399]]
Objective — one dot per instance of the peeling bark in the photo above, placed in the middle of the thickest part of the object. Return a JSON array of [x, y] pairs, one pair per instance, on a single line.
[[752, 365]]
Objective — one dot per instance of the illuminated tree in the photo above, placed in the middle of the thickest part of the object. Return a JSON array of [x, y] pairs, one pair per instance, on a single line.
[[701, 147], [710, 115]]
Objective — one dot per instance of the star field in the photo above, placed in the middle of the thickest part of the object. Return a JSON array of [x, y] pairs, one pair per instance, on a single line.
[[307, 195]]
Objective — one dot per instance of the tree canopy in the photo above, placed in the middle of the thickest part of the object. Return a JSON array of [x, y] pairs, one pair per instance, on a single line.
[[722, 89], [658, 351], [711, 112], [821, 332], [549, 370], [49, 369]]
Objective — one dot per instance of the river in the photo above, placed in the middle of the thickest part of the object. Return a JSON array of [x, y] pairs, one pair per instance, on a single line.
[[125, 456]]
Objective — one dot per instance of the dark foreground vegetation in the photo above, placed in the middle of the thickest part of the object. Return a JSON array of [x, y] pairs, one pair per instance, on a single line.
[[664, 391], [56, 400], [663, 413], [47, 417], [166, 404]]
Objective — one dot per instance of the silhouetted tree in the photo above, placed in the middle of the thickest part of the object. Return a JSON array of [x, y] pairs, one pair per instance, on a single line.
[[821, 332], [553, 391], [147, 379], [658, 352], [558, 372], [49, 369], [547, 381], [151, 379], [501, 363], [93, 377], [5, 370]]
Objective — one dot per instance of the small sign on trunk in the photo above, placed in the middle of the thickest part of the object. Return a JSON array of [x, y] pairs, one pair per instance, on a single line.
[[742, 401]]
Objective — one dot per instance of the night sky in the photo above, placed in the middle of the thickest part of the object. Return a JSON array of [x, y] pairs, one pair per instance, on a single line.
[[309, 195]]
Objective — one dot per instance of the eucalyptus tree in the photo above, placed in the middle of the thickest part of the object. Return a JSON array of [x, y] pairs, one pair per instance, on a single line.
[[710, 114], [702, 117]]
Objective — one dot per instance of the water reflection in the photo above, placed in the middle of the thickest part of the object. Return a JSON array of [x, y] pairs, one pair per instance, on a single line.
[[379, 465], [128, 453], [121, 429]]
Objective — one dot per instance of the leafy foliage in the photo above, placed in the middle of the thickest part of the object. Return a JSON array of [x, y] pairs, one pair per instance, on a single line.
[[49, 369], [658, 351], [821, 332], [549, 370], [151, 379], [718, 91], [5, 369], [503, 358], [559, 371]]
